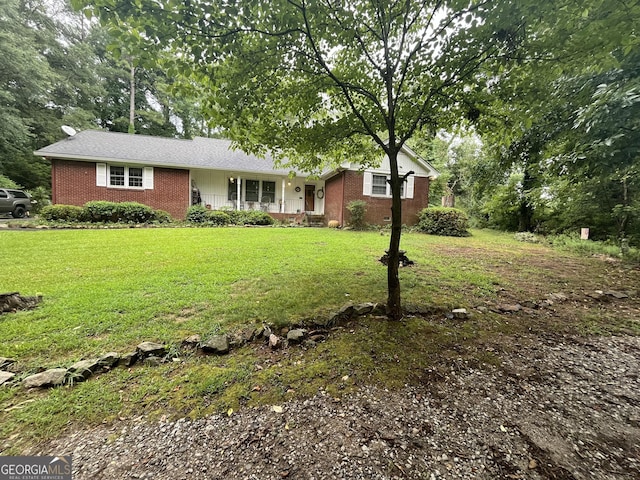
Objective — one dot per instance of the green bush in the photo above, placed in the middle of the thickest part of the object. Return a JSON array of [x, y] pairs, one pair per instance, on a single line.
[[197, 214], [160, 216], [101, 211], [216, 217], [41, 197], [250, 217], [63, 213], [443, 221], [358, 210], [133, 212]]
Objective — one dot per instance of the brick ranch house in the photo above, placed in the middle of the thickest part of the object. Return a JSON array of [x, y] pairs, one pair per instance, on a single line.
[[172, 174]]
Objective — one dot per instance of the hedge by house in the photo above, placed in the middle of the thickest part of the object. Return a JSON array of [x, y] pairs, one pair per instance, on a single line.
[[200, 215], [105, 212], [443, 221]]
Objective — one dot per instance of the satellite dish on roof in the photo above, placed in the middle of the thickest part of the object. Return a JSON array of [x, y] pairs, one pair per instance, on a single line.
[[69, 130]]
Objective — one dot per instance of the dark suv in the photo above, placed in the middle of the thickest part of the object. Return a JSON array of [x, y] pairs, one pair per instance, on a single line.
[[15, 202]]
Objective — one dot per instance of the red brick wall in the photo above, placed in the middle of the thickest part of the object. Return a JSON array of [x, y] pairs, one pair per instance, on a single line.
[[347, 186], [333, 198], [74, 183]]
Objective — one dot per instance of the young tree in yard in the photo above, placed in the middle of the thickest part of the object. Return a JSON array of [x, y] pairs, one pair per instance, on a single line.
[[323, 81]]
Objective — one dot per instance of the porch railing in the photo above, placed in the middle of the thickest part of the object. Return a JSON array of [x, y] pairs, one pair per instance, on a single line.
[[216, 202]]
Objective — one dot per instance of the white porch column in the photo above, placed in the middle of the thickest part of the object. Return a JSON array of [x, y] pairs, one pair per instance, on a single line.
[[238, 192], [284, 184]]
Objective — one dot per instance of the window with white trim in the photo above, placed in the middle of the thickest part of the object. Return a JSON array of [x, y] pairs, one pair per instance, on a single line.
[[135, 177], [116, 176], [124, 176], [377, 185]]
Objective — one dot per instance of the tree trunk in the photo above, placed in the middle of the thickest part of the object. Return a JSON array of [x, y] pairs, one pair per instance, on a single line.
[[525, 212], [394, 307], [132, 99]]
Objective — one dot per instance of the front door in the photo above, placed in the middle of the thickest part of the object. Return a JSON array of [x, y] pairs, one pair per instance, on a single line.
[[309, 198]]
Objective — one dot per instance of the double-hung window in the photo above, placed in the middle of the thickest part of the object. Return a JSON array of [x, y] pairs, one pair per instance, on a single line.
[[378, 185], [116, 176], [124, 176]]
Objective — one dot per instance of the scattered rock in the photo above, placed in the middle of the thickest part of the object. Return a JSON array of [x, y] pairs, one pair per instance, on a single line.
[[109, 360], [596, 295], [343, 316], [48, 378], [83, 369], [275, 341], [317, 338], [192, 341], [218, 344], [146, 349], [5, 377], [296, 335], [557, 297], [364, 309], [510, 308], [460, 313], [152, 361], [6, 362], [128, 359], [616, 294]]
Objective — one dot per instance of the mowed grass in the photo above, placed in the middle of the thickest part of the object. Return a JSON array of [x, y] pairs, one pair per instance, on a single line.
[[108, 290], [111, 289]]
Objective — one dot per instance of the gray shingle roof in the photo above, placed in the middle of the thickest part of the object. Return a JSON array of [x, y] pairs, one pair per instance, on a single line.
[[206, 153]]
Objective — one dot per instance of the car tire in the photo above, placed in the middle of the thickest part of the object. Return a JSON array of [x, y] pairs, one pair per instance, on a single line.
[[19, 212]]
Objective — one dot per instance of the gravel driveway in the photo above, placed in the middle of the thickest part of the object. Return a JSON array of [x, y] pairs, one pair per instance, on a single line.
[[557, 407]]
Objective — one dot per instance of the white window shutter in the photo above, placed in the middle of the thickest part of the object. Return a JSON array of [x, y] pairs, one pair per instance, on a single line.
[[366, 183], [101, 174], [147, 178], [408, 189]]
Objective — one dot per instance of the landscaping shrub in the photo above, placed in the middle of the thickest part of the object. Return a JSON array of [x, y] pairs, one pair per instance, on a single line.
[[216, 217], [41, 197], [63, 213], [160, 216], [251, 217], [100, 211], [443, 221], [358, 210], [133, 212], [201, 215], [197, 214]]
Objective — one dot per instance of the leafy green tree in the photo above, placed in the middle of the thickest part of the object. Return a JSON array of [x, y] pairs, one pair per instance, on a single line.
[[570, 128], [317, 82]]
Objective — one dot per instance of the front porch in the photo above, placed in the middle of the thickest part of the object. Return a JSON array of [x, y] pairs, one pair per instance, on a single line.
[[217, 202], [277, 195]]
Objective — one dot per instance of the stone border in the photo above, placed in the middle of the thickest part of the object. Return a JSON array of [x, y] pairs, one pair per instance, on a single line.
[[308, 333]]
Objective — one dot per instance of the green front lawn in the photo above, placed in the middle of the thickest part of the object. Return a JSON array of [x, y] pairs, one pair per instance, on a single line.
[[108, 290]]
